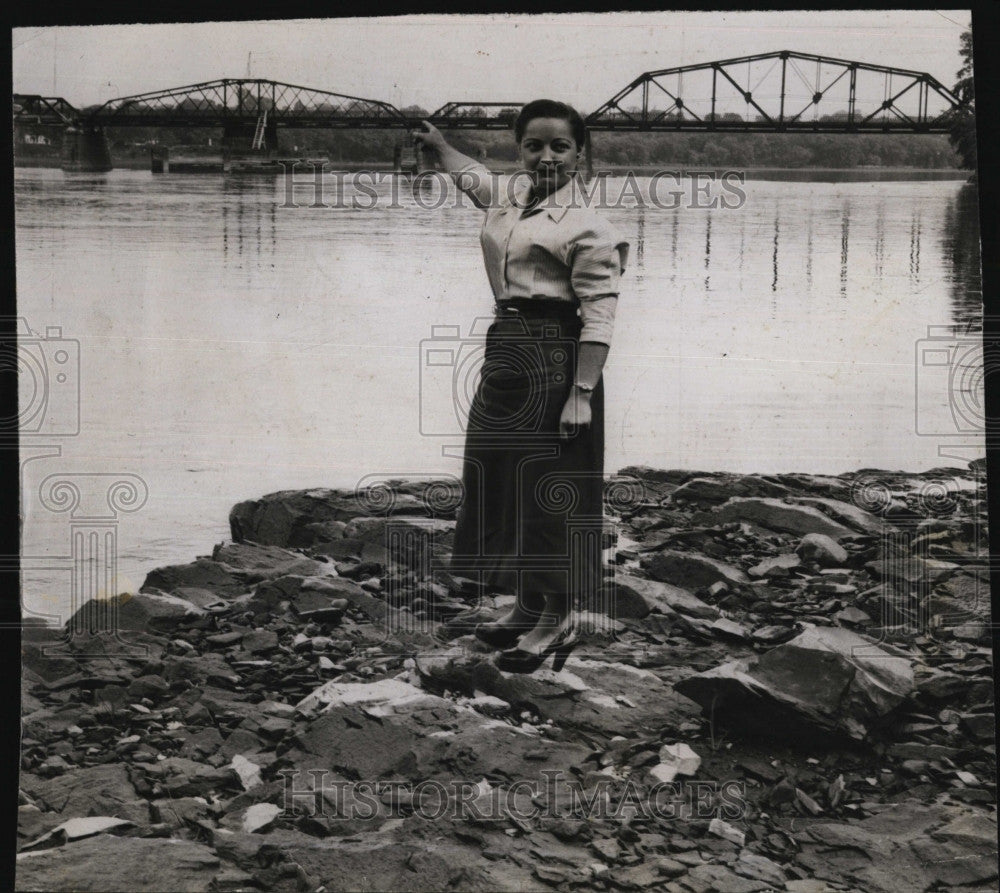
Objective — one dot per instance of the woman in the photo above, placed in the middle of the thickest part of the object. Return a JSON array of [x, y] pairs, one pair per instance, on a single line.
[[534, 450]]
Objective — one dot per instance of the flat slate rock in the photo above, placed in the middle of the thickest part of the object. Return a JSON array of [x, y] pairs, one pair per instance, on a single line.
[[106, 863], [775, 514], [259, 562], [691, 569], [304, 518], [103, 789], [638, 596], [141, 611]]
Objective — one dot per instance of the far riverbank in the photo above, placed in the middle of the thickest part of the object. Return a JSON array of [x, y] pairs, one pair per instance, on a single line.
[[822, 174]]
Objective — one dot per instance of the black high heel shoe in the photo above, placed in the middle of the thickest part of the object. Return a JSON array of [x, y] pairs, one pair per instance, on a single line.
[[497, 636], [517, 660]]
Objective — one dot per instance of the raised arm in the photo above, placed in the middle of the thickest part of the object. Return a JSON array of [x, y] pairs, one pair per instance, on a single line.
[[469, 175]]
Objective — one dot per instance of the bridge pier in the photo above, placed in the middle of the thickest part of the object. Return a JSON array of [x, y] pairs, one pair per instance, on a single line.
[[406, 159], [588, 158], [85, 150]]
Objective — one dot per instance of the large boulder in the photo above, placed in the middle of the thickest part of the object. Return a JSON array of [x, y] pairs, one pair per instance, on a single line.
[[102, 790], [294, 518], [846, 513], [203, 573], [147, 611], [691, 569], [304, 518], [774, 514], [826, 679], [822, 549], [411, 542], [255, 563], [637, 597]]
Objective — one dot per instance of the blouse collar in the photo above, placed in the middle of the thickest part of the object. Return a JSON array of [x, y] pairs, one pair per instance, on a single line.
[[556, 204]]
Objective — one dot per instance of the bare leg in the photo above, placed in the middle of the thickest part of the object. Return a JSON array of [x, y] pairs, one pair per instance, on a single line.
[[524, 614], [555, 617]]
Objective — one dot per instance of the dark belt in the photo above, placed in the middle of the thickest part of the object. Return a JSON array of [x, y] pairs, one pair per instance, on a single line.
[[536, 308]]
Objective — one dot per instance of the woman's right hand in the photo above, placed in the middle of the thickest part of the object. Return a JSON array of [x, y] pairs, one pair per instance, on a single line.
[[429, 138]]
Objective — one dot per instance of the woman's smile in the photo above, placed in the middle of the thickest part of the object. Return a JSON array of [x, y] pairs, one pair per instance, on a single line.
[[549, 151]]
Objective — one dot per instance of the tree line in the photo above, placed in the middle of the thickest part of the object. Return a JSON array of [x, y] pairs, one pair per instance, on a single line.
[[615, 149]]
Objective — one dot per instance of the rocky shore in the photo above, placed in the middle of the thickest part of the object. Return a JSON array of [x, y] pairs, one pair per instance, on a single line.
[[786, 684]]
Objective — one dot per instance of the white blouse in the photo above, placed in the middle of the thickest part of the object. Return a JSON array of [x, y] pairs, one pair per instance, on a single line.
[[560, 249]]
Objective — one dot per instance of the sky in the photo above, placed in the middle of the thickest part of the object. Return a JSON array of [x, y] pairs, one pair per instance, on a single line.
[[427, 60]]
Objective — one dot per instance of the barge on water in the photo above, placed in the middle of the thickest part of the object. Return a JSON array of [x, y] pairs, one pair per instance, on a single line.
[[202, 160]]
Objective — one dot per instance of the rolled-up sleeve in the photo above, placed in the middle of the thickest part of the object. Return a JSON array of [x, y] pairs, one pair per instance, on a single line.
[[597, 260], [476, 181]]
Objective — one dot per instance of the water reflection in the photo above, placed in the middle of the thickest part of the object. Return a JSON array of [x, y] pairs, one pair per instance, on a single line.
[[640, 239], [915, 229], [774, 255], [249, 224], [845, 232], [809, 251], [879, 237], [674, 225], [742, 251], [708, 247], [960, 247]]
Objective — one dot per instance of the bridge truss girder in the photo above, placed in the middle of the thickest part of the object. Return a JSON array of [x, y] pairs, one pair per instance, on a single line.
[[243, 101], [911, 101], [31, 108]]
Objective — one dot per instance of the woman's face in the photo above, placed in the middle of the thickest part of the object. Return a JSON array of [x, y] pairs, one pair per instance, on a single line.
[[549, 151]]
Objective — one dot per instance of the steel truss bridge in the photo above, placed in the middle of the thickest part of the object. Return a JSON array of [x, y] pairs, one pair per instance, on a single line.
[[774, 92]]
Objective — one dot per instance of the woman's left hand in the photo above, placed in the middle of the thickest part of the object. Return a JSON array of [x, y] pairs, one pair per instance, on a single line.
[[576, 414]]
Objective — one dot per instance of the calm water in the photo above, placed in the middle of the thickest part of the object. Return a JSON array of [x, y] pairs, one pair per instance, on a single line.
[[230, 347]]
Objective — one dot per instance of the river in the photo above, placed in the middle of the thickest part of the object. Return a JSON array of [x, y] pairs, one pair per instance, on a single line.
[[230, 344]]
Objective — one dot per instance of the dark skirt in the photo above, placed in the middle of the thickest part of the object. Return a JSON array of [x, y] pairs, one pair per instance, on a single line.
[[531, 518]]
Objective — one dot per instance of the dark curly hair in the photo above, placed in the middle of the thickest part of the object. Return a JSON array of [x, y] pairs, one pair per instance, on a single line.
[[549, 108]]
